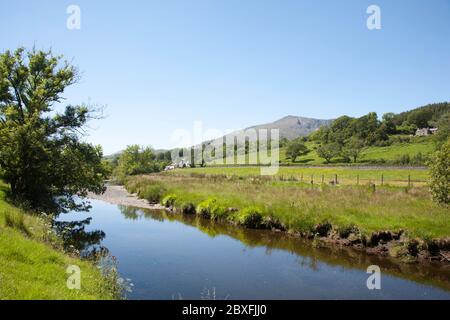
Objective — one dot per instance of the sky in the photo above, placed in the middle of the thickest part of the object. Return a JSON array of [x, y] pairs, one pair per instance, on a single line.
[[159, 66]]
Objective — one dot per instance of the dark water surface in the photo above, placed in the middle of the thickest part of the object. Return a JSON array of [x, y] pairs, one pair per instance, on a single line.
[[170, 256]]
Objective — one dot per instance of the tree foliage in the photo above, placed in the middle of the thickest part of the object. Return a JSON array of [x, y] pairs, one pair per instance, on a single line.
[[296, 148], [424, 116], [41, 154], [137, 160], [440, 174], [328, 151], [354, 148], [367, 128], [443, 133]]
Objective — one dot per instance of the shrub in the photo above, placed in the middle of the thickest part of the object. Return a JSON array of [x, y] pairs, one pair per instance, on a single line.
[[152, 193], [271, 222], [419, 159], [440, 175], [210, 209], [345, 231], [169, 200], [323, 229], [250, 217], [404, 159], [188, 208]]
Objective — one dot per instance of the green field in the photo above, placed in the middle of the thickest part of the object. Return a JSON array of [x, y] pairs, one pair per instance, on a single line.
[[32, 268], [345, 175], [370, 155], [300, 207]]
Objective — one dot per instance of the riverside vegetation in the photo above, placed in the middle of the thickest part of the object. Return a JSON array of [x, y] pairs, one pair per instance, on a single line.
[[400, 221], [45, 166], [382, 210], [33, 261]]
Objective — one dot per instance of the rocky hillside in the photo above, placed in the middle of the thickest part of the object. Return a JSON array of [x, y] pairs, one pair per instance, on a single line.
[[292, 127]]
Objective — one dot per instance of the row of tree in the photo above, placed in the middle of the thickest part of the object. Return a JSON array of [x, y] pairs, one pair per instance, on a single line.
[[346, 137], [136, 159]]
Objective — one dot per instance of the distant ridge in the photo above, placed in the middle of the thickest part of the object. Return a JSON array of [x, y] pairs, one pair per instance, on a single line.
[[292, 127]]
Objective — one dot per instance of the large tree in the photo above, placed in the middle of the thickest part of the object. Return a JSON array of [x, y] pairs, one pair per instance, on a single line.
[[328, 151], [42, 155], [136, 160], [353, 148], [296, 148]]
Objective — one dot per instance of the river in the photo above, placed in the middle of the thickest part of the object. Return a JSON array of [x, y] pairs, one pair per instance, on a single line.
[[170, 256]]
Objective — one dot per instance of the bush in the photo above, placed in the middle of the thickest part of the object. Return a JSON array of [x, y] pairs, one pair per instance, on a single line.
[[440, 175], [152, 193], [270, 222], [346, 230], [210, 209], [419, 159], [169, 200], [188, 208], [404, 159], [250, 217]]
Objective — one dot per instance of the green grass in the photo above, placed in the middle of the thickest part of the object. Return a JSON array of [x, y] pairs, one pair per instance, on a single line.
[[376, 155], [300, 207], [30, 265], [345, 175], [395, 151]]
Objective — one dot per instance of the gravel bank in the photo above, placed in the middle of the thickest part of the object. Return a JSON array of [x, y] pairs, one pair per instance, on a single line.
[[118, 195]]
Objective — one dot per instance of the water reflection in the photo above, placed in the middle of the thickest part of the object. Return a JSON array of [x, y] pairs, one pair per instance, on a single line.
[[75, 238], [307, 254]]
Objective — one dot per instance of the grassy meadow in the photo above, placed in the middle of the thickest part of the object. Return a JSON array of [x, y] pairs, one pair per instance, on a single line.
[[381, 155], [300, 207], [345, 175], [32, 266]]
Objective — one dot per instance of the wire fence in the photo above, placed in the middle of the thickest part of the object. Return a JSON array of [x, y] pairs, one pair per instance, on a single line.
[[335, 179], [378, 179]]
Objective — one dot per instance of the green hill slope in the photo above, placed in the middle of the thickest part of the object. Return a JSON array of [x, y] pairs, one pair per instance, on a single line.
[[30, 268]]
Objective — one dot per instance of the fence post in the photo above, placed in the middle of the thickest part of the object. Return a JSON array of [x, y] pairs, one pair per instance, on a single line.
[[382, 179], [409, 181], [335, 179]]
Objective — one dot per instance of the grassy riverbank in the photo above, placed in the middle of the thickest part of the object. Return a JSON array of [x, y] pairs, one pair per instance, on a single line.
[[357, 213], [32, 266]]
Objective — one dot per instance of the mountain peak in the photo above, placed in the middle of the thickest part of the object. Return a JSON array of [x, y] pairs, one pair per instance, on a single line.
[[292, 127]]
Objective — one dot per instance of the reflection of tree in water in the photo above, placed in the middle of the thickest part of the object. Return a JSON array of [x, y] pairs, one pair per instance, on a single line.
[[133, 213], [310, 255], [130, 213], [76, 239]]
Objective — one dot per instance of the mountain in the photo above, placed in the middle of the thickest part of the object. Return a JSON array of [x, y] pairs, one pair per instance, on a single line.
[[289, 127], [292, 127]]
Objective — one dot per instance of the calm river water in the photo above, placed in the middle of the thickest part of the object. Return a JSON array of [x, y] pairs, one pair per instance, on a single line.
[[170, 256]]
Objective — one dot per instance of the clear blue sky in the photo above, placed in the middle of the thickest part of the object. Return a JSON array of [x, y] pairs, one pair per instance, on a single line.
[[160, 65]]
